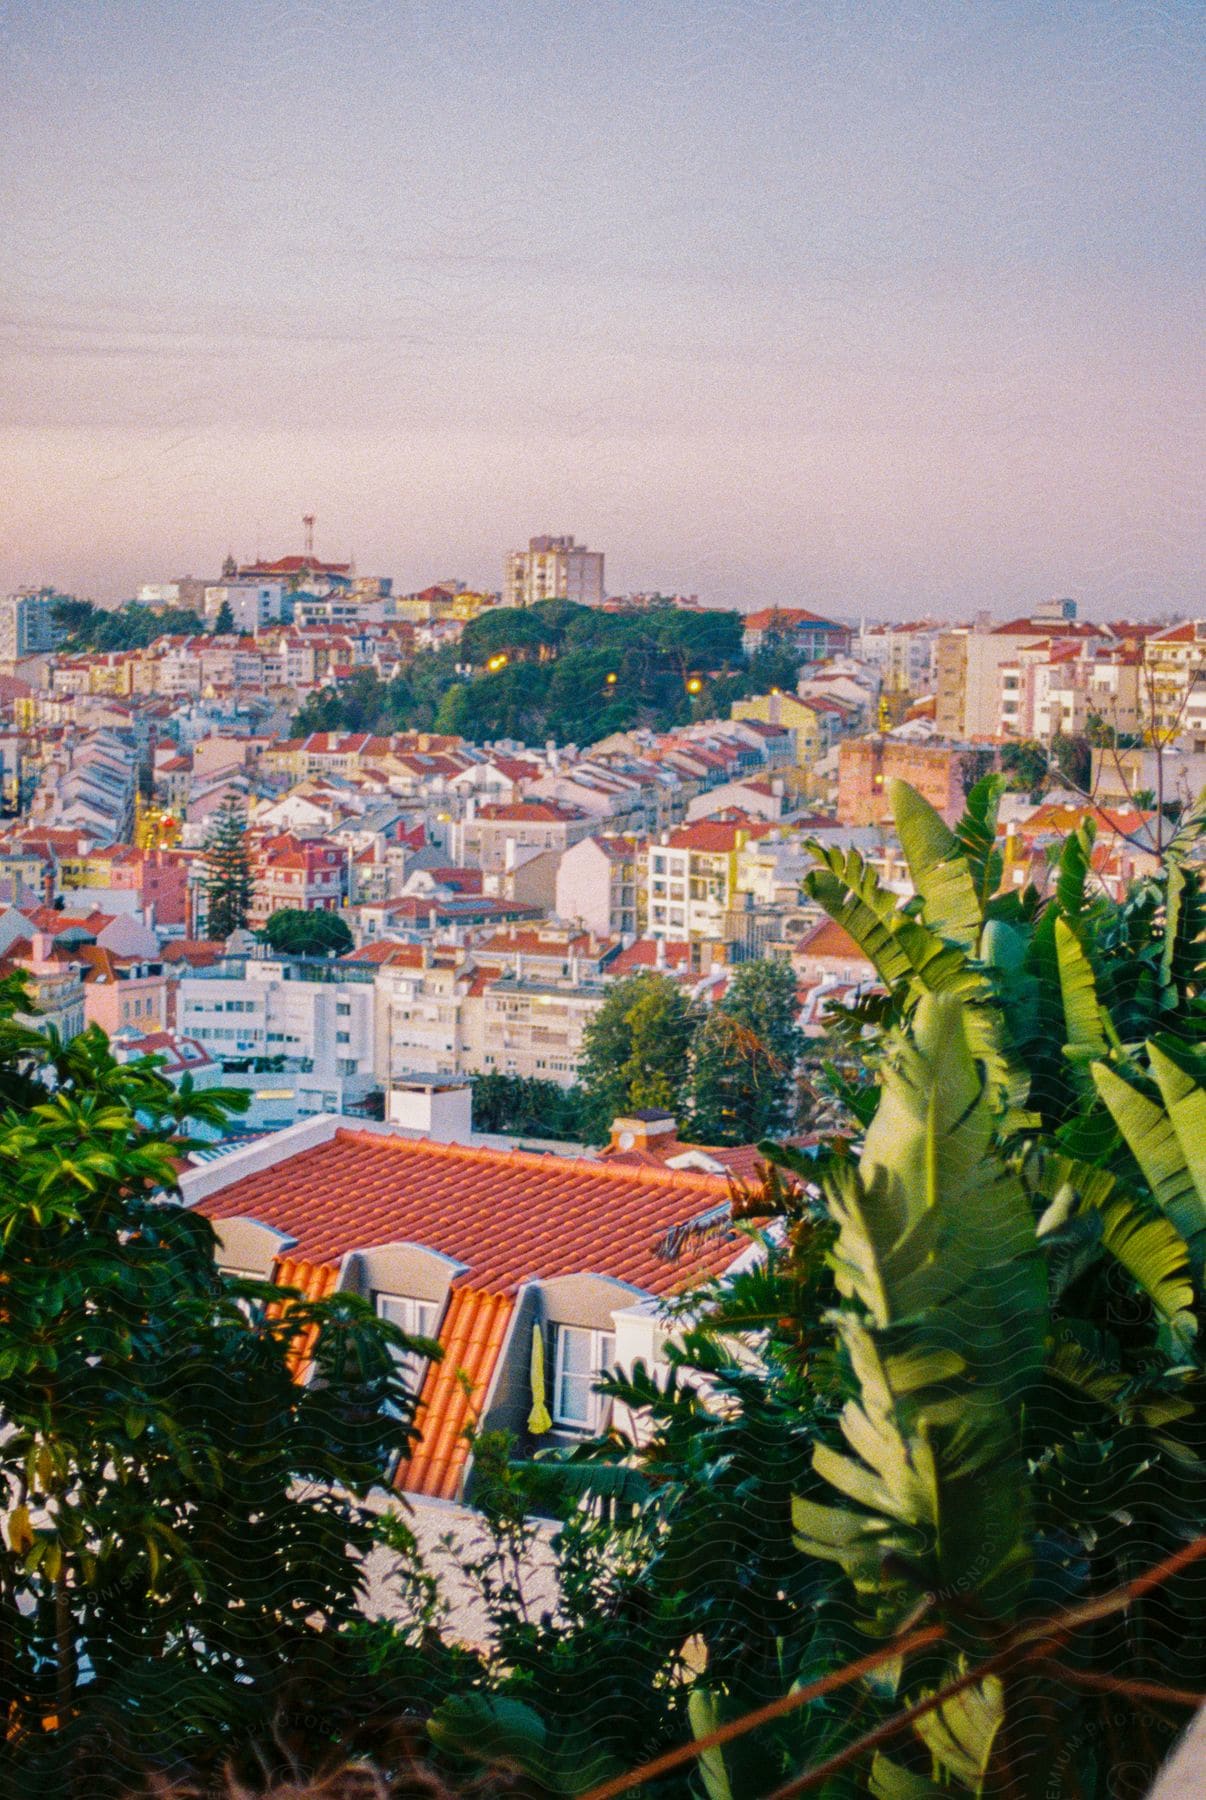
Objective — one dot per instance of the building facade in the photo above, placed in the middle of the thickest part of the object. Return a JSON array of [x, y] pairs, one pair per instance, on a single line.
[[553, 568]]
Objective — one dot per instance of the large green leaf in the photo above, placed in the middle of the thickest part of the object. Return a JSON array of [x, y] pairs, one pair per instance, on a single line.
[[937, 1259], [1152, 1138], [888, 1781], [1178, 1076], [938, 864], [1145, 1244], [977, 832], [960, 1733], [1078, 988]]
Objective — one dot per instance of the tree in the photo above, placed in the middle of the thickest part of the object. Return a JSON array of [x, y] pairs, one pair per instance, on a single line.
[[1026, 766], [183, 1518], [526, 1106], [227, 873], [635, 1052], [745, 1056], [293, 932], [1073, 757], [974, 765], [224, 623]]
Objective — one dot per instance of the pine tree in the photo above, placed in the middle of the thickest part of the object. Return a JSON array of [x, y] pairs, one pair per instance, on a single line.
[[224, 623], [227, 873]]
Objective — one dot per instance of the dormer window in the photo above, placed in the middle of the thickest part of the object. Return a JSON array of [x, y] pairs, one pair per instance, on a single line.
[[581, 1357], [418, 1318]]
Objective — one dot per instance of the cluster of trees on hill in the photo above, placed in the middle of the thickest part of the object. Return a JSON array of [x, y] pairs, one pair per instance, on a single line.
[[561, 671], [129, 627], [917, 1507]]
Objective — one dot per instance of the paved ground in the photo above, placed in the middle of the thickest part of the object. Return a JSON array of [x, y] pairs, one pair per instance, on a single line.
[[450, 1537]]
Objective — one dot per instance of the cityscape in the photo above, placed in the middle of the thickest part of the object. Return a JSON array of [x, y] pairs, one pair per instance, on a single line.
[[602, 902], [487, 891]]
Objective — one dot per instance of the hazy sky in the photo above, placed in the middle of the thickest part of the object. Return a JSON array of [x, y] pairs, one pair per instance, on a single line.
[[872, 306]]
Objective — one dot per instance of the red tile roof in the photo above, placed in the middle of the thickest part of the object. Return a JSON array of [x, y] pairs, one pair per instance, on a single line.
[[828, 938], [786, 616], [454, 1390], [509, 1216]]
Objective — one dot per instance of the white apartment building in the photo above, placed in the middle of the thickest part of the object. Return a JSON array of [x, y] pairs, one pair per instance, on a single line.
[[535, 1027], [553, 568], [317, 1016], [599, 886], [440, 1014], [421, 1023], [903, 655], [253, 604], [692, 881]]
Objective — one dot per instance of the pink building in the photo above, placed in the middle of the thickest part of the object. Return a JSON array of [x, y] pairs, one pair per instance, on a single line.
[[297, 874], [120, 993]]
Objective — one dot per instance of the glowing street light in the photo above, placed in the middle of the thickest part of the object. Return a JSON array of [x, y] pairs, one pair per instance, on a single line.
[[497, 662], [695, 685], [612, 679]]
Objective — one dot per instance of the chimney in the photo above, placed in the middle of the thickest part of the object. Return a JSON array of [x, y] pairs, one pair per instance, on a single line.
[[439, 1110], [660, 954], [647, 1130]]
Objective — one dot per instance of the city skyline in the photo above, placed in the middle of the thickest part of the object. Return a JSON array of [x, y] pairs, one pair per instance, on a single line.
[[878, 311]]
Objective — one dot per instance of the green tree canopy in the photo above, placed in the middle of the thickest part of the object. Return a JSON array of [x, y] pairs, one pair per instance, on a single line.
[[635, 1051], [744, 1058], [224, 623], [183, 1519], [294, 932]]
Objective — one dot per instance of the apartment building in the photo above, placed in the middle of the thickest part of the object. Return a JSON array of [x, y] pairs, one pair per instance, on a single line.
[[253, 604], [316, 1016], [969, 660], [296, 874], [420, 1013], [480, 839], [691, 879], [810, 724], [903, 655], [950, 680], [1174, 679], [27, 624], [517, 1004], [553, 568], [599, 886], [534, 1026]]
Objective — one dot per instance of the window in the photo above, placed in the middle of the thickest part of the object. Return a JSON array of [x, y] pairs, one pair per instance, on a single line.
[[581, 1357], [419, 1318]]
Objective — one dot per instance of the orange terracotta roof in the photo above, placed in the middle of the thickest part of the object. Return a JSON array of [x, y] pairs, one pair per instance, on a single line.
[[316, 1281], [715, 835], [509, 1216], [828, 938], [786, 616], [454, 1391]]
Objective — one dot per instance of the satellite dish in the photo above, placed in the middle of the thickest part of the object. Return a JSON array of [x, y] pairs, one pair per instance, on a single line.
[[626, 1140]]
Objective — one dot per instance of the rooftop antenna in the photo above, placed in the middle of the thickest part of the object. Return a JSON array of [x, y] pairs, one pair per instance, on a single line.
[[308, 522]]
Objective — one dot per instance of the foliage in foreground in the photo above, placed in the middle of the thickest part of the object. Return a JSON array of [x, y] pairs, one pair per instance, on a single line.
[[979, 1396], [183, 1522]]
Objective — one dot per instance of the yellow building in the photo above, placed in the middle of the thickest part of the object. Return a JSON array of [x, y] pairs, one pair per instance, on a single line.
[[777, 708]]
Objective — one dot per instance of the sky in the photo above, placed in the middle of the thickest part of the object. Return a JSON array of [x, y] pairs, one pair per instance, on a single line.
[[876, 306]]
